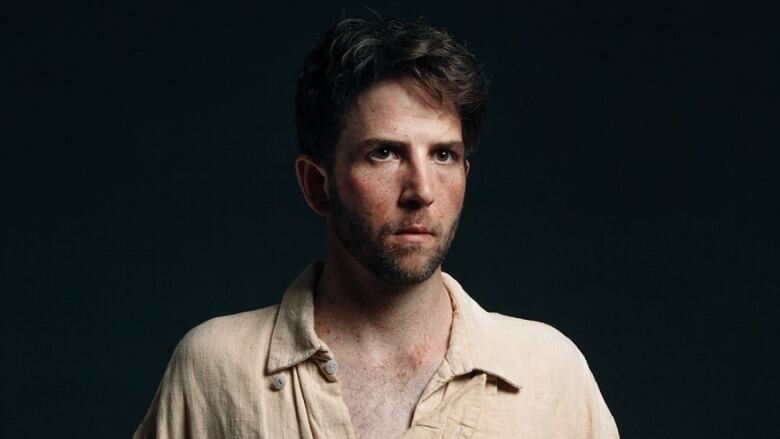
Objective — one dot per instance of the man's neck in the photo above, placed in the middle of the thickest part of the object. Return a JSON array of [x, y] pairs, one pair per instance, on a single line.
[[356, 310]]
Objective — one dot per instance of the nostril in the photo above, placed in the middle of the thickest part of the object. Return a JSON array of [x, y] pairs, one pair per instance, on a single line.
[[412, 204]]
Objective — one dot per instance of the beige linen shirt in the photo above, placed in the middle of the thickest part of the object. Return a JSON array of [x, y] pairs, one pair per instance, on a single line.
[[266, 374]]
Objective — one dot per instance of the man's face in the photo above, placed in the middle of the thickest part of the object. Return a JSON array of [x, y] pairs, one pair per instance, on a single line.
[[398, 182]]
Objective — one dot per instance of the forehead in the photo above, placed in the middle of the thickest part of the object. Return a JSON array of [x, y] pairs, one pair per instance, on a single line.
[[399, 110]]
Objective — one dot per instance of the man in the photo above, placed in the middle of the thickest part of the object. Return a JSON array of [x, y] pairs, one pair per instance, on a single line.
[[378, 342]]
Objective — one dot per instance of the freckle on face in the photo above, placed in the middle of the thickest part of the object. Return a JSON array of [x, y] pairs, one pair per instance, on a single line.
[[365, 206]]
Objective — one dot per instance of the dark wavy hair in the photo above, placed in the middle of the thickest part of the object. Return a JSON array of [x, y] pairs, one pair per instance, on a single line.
[[358, 52]]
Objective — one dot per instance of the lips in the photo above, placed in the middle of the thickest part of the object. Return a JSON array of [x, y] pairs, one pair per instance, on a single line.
[[415, 230]]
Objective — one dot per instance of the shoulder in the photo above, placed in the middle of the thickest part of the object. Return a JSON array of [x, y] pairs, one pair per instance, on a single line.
[[232, 336], [532, 336], [553, 373], [516, 347], [527, 348]]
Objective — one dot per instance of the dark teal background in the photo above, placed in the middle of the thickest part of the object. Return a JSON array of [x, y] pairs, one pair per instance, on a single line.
[[625, 191]]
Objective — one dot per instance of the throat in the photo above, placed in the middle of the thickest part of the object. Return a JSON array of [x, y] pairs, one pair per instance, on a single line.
[[391, 322]]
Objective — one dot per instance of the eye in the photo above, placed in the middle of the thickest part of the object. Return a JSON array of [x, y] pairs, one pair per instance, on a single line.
[[444, 156], [382, 153]]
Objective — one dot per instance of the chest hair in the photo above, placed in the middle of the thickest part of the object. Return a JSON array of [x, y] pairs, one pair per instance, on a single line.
[[381, 397]]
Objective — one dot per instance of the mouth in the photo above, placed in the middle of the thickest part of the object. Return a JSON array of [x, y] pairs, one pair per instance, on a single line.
[[415, 234], [414, 230]]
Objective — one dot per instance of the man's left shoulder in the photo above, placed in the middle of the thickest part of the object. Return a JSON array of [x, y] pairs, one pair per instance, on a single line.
[[549, 369], [533, 344]]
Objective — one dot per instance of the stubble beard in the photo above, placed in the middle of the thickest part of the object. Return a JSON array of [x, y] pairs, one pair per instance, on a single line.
[[353, 230]]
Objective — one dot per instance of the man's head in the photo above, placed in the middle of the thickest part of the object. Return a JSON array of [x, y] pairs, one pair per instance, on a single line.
[[387, 112]]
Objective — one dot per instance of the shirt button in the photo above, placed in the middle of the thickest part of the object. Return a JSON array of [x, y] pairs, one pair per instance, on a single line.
[[331, 367], [279, 381]]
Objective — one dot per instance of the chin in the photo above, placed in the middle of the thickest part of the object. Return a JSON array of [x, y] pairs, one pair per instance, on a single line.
[[410, 269]]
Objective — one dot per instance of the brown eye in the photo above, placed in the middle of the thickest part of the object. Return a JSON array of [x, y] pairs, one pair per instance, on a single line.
[[443, 155], [381, 153]]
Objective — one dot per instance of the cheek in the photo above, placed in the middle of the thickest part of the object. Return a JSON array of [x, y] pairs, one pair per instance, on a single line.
[[372, 192], [452, 191]]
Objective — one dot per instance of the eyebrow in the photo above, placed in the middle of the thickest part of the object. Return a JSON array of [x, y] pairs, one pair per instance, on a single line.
[[376, 142]]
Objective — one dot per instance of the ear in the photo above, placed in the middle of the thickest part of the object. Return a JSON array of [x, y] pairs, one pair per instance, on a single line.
[[313, 181], [468, 166]]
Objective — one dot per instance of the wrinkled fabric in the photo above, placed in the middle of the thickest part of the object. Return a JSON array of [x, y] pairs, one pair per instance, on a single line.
[[262, 374]]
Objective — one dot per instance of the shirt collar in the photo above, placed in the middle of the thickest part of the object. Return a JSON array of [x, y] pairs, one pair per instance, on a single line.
[[293, 339], [478, 340], [475, 344]]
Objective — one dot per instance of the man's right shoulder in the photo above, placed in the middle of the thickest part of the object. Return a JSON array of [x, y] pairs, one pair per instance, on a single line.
[[219, 360], [226, 339]]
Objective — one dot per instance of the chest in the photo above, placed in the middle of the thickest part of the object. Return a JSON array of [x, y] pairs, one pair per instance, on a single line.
[[381, 399]]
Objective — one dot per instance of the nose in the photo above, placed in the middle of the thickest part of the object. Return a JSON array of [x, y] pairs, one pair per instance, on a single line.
[[417, 187]]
